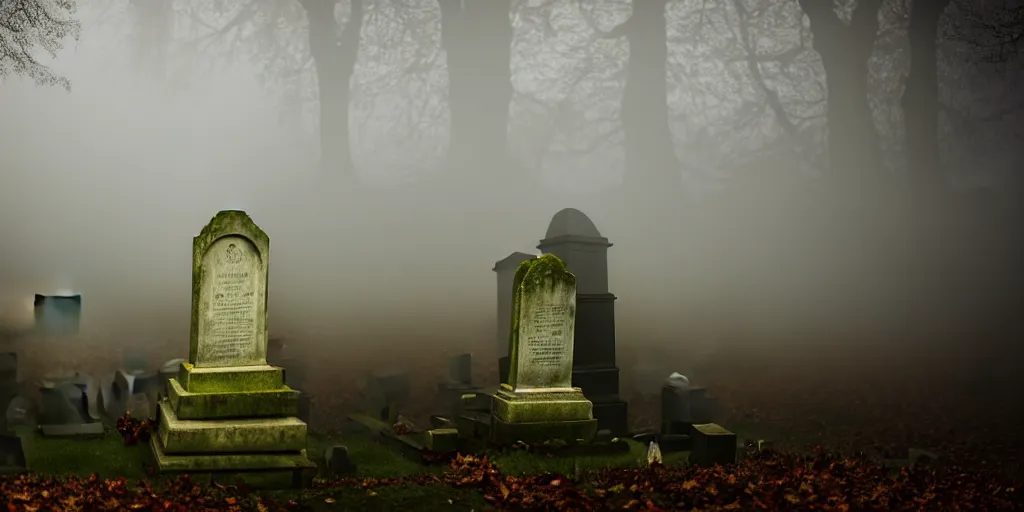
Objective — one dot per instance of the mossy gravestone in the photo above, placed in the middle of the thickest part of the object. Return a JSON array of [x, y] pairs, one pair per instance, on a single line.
[[228, 414], [538, 403]]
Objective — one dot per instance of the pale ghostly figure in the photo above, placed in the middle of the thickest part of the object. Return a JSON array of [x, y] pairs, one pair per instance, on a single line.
[[677, 380], [653, 454]]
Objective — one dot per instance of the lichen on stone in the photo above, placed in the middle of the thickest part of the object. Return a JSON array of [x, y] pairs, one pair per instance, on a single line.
[[530, 275]]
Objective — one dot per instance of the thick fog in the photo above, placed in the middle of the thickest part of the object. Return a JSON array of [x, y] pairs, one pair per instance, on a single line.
[[103, 188]]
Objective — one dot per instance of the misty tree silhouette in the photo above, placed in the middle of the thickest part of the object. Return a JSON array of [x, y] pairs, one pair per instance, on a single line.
[[30, 25], [667, 91]]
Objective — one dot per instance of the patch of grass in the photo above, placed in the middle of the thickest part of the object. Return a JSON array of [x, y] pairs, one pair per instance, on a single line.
[[372, 459], [522, 463], [107, 456], [110, 458]]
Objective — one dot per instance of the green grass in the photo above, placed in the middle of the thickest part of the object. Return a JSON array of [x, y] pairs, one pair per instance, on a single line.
[[109, 458], [521, 463], [372, 460]]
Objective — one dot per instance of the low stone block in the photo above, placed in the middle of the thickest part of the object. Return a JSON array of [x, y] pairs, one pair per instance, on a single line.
[[230, 379], [541, 407], [443, 440], [239, 404], [338, 461], [474, 425], [229, 436], [441, 422], [12, 455], [538, 432], [475, 402], [712, 444]]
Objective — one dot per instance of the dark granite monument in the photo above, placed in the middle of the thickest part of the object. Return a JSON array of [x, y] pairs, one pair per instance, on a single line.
[[575, 240]]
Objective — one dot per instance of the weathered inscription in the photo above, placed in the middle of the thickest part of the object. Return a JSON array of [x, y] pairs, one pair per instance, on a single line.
[[232, 300], [545, 339], [542, 332], [547, 342]]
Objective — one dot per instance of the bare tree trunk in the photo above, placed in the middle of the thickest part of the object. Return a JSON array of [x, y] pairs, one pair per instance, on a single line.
[[921, 94], [754, 69], [334, 52], [651, 162], [154, 23], [845, 50], [477, 36]]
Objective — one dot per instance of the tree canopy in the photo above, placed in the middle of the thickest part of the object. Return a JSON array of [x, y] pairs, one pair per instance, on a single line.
[[30, 26]]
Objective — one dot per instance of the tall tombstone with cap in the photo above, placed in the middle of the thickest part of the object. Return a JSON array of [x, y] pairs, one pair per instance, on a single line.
[[572, 237], [538, 401], [228, 413]]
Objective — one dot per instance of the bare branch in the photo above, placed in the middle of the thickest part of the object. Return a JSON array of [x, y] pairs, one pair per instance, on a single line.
[[755, 71], [27, 25], [246, 14], [785, 57], [615, 32]]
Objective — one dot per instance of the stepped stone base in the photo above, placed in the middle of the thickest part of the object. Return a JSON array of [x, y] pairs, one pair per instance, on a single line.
[[230, 379], [541, 416], [228, 424], [256, 435], [257, 470], [235, 404]]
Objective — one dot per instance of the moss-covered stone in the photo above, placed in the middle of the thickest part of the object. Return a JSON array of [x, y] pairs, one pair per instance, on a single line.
[[569, 431], [442, 440], [226, 223], [513, 337], [542, 416], [544, 267], [224, 463], [230, 379], [243, 404], [229, 436], [568, 405], [542, 277]]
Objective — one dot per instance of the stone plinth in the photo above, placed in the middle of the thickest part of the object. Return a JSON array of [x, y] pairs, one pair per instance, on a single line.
[[712, 444], [540, 416]]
